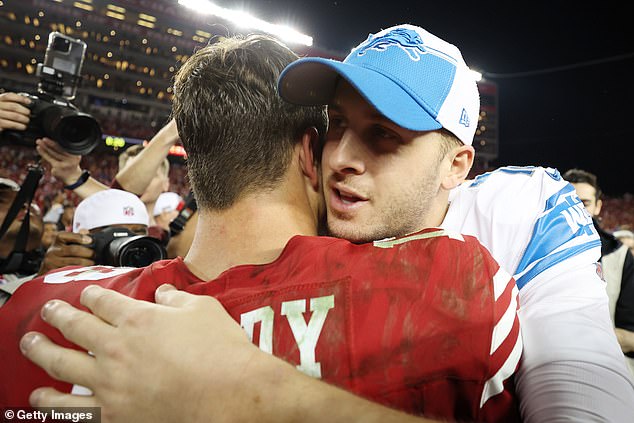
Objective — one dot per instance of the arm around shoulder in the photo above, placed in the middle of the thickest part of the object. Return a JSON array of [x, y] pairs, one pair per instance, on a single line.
[[572, 365]]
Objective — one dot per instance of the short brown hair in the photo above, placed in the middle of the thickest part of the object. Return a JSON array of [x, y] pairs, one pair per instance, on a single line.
[[449, 142], [579, 176], [237, 131]]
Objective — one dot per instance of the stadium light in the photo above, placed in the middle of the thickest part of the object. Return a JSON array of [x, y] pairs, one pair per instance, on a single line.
[[245, 20]]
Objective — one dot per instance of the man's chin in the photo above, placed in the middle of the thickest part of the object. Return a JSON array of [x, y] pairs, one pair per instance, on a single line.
[[352, 233]]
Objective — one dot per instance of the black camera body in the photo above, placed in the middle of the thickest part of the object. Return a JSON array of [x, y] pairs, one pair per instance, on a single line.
[[52, 113], [120, 247], [59, 120]]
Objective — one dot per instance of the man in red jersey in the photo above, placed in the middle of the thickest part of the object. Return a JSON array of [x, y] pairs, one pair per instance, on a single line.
[[425, 323]]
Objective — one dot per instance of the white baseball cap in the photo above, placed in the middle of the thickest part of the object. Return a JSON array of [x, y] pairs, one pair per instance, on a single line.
[[167, 202], [110, 207], [412, 77], [623, 233]]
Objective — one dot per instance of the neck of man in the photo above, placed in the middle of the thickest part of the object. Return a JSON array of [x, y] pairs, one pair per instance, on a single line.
[[254, 230]]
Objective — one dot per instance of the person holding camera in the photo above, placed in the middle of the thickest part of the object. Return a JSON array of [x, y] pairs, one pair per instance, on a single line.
[[142, 170], [14, 111], [21, 251], [99, 220]]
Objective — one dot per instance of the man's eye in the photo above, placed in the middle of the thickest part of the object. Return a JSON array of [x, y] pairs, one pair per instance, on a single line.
[[381, 132]]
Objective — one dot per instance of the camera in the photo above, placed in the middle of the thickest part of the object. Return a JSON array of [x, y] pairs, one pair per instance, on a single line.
[[120, 247], [185, 211], [52, 113]]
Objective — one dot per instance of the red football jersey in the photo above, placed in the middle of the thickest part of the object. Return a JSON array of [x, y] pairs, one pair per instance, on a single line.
[[426, 323]]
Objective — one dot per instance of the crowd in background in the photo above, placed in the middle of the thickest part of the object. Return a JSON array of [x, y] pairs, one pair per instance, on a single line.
[[14, 161]]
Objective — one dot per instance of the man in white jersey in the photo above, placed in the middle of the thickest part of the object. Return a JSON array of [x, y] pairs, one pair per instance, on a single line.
[[393, 90]]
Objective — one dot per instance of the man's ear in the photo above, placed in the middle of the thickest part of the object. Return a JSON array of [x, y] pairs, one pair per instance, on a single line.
[[460, 161], [310, 138]]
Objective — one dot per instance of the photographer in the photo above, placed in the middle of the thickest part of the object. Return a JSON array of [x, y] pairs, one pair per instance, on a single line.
[[142, 171], [33, 252], [135, 176], [95, 217]]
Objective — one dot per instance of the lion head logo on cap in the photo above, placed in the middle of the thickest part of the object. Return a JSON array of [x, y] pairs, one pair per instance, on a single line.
[[406, 39]]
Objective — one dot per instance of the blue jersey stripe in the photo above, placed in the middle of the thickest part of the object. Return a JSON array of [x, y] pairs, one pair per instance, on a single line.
[[554, 259], [566, 218]]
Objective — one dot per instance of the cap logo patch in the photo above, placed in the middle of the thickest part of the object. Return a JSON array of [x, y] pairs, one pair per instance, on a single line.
[[464, 118], [128, 211], [406, 39]]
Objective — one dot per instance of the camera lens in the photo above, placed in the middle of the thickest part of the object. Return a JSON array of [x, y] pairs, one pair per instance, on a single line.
[[61, 44], [76, 132], [136, 251]]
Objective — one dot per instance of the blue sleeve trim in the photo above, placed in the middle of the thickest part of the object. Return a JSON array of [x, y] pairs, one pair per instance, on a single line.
[[555, 259], [565, 218]]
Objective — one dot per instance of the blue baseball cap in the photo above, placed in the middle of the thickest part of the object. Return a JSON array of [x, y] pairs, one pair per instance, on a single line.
[[415, 79]]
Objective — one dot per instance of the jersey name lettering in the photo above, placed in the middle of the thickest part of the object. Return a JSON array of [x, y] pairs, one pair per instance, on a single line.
[[306, 335], [577, 217]]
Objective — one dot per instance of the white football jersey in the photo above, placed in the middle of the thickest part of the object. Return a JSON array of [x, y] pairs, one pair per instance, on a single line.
[[536, 227], [528, 217]]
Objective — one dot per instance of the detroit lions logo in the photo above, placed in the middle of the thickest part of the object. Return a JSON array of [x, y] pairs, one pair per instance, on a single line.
[[407, 40]]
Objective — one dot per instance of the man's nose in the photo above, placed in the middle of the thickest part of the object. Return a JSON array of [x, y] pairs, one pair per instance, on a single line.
[[347, 156]]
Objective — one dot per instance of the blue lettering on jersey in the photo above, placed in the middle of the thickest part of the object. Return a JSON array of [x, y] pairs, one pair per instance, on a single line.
[[553, 173], [564, 219]]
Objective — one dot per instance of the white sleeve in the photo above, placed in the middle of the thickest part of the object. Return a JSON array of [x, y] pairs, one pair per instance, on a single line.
[[535, 226], [572, 365]]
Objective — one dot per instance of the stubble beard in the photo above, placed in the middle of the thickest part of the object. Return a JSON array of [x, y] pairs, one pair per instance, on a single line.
[[405, 214]]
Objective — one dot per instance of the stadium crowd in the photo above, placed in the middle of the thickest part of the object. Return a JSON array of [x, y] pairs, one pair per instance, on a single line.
[[14, 161]]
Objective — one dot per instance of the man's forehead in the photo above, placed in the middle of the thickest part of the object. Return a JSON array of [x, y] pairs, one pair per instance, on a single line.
[[584, 189]]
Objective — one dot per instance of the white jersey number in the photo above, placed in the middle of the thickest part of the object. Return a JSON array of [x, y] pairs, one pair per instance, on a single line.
[[306, 335]]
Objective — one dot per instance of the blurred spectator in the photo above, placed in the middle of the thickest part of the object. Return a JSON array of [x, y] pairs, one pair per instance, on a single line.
[[157, 185], [166, 209], [101, 211], [616, 260], [180, 243], [108, 208], [55, 209], [66, 220], [626, 237], [49, 233], [52, 223], [12, 272]]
